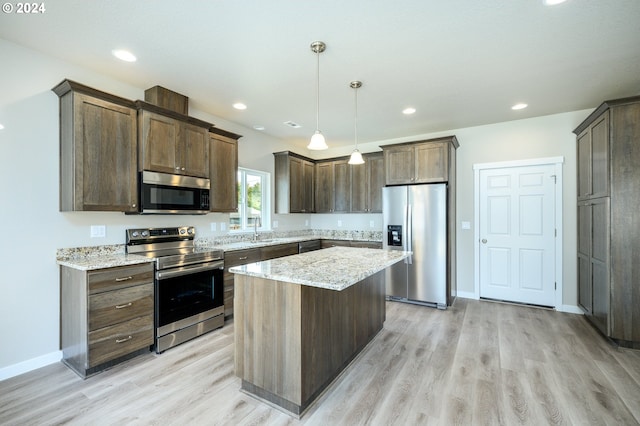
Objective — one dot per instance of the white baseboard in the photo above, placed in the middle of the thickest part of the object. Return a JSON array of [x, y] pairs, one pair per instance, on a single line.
[[571, 309], [30, 364], [467, 295]]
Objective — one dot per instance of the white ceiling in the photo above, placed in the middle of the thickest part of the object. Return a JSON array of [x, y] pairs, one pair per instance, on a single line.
[[460, 63]]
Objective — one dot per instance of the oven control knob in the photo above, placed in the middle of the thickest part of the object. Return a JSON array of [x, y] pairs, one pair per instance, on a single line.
[[182, 231], [191, 231], [145, 233], [134, 234]]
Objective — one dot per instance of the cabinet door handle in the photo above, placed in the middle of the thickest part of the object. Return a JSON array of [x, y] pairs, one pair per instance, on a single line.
[[124, 340], [124, 306], [177, 167], [118, 280], [182, 169], [243, 258]]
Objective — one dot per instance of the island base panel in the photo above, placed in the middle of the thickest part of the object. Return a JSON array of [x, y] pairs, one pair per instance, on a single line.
[[293, 340]]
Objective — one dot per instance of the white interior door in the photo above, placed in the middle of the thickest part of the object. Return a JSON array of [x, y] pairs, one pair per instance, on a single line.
[[517, 234]]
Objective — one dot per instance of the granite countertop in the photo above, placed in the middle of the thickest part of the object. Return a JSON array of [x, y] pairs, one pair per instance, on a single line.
[[101, 257], [240, 245], [335, 268], [89, 263]]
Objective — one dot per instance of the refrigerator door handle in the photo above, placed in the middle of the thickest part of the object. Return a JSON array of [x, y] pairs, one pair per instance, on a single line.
[[409, 236]]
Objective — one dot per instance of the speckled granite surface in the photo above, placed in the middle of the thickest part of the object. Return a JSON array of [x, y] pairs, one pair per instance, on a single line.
[[99, 257], [90, 263], [335, 268], [234, 240]]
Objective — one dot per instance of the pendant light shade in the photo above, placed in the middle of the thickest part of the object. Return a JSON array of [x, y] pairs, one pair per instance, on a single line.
[[317, 140], [356, 156]]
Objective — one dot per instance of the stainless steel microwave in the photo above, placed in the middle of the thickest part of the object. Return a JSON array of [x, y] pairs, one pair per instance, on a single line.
[[162, 193]]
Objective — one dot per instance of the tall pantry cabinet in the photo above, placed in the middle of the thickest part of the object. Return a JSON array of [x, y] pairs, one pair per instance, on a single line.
[[608, 156]]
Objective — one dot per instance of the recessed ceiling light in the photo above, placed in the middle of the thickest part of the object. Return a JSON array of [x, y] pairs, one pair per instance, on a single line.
[[240, 106], [124, 55], [258, 127], [553, 2], [519, 106], [408, 111]]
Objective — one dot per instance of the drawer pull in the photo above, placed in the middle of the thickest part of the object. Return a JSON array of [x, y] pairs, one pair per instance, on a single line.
[[118, 280], [124, 306], [124, 340], [243, 258]]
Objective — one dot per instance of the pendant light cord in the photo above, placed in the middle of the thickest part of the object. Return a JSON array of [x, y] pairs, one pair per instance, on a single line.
[[318, 90], [356, 118]]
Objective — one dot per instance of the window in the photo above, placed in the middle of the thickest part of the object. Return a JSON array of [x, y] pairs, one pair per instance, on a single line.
[[253, 201]]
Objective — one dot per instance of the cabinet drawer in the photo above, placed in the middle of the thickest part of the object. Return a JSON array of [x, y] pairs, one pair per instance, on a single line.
[[113, 307], [279, 250], [112, 342], [115, 278], [241, 257]]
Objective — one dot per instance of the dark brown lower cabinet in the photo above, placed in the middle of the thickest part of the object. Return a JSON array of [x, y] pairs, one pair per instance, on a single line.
[[106, 316], [593, 261]]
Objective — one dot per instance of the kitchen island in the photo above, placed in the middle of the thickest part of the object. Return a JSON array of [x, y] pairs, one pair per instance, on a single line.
[[299, 320]]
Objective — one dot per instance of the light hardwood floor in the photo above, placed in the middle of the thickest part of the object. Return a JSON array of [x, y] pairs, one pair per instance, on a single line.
[[473, 364]]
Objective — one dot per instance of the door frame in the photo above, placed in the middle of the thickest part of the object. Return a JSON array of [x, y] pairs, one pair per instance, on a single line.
[[557, 162]]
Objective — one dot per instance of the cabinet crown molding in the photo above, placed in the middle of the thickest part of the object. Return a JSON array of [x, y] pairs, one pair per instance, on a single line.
[[451, 139], [66, 86]]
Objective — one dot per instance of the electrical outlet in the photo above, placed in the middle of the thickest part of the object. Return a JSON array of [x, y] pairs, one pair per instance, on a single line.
[[371, 224], [213, 226], [466, 225], [339, 223], [223, 226], [306, 223], [98, 231], [275, 223]]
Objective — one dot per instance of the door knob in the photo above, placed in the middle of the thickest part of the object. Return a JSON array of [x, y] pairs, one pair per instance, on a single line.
[[484, 241]]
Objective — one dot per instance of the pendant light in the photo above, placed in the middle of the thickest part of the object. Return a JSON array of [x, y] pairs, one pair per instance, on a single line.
[[317, 140], [356, 157]]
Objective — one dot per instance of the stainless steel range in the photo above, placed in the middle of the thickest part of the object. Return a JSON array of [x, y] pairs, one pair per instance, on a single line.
[[188, 283]]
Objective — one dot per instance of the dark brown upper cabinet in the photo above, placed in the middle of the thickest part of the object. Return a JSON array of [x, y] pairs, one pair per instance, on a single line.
[[98, 144], [294, 183], [172, 145], [427, 161], [223, 169]]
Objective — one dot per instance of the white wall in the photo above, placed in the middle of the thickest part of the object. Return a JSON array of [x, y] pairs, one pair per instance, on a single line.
[[34, 228]]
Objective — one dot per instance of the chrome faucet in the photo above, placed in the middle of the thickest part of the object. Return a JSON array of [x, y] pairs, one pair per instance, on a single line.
[[256, 223]]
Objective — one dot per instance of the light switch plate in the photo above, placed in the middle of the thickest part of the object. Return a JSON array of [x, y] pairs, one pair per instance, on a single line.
[[306, 223], [275, 223], [339, 223], [98, 231], [371, 224], [223, 226], [466, 225]]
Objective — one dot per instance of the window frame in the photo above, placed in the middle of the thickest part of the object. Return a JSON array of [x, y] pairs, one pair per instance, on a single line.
[[265, 202]]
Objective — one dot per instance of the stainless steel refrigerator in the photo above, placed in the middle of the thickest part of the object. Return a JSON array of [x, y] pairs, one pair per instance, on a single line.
[[415, 219]]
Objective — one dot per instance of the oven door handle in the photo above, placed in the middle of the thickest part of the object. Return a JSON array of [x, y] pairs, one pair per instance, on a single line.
[[186, 270]]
